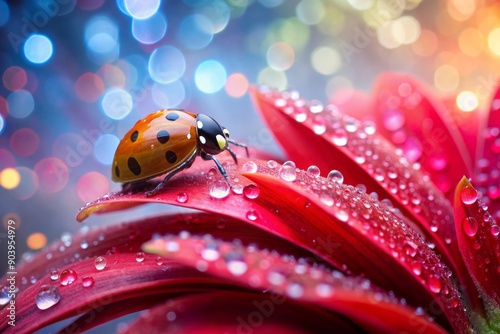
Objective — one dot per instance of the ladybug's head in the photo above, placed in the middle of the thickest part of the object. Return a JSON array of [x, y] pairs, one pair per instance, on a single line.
[[212, 138]]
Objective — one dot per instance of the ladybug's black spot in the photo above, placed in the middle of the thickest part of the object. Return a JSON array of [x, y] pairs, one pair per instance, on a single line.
[[134, 166], [134, 135], [172, 116], [163, 136], [117, 171], [171, 157]]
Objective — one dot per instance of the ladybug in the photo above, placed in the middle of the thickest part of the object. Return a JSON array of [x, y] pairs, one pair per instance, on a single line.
[[166, 142]]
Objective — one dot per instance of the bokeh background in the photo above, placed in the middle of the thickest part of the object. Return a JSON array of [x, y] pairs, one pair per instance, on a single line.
[[76, 75]]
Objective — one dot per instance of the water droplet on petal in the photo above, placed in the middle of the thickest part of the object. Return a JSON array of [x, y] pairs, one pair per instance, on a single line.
[[341, 215], [326, 199], [68, 276], [212, 172], [336, 176], [313, 171], [251, 191], [237, 189], [410, 248], [84, 244], [319, 125], [272, 164], [287, 171], [54, 275], [47, 297], [182, 197], [470, 226], [339, 137], [210, 252], [249, 167], [468, 195], [416, 267], [159, 260], [324, 290], [140, 256], [434, 284], [88, 281], [219, 189], [295, 290], [495, 230], [100, 263], [4, 295], [235, 262], [252, 215]]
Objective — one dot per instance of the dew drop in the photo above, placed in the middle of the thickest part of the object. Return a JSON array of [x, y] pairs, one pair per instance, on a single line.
[[341, 215], [495, 230], [237, 189], [295, 290], [326, 199], [235, 263], [210, 252], [276, 277], [313, 171], [319, 125], [470, 226], [4, 295], [88, 281], [416, 267], [100, 263], [212, 172], [468, 195], [287, 171], [182, 197], [249, 167], [252, 215], [324, 290], [339, 137], [251, 191], [54, 275], [84, 244], [369, 127], [316, 106], [336, 176], [434, 284], [68, 276], [159, 260], [47, 297], [219, 189], [140, 256], [272, 164], [172, 246]]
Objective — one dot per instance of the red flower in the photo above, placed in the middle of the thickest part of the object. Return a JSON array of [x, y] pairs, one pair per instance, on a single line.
[[374, 245]]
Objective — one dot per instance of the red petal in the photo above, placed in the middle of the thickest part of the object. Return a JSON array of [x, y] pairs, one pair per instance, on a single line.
[[241, 312], [374, 242], [370, 308], [365, 157], [410, 117], [478, 237]]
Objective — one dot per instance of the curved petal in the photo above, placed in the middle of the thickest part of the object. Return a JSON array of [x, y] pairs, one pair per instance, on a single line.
[[334, 141], [374, 310], [338, 223], [478, 236], [240, 312]]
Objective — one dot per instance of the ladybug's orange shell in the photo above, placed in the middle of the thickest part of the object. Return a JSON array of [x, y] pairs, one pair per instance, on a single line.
[[157, 144]]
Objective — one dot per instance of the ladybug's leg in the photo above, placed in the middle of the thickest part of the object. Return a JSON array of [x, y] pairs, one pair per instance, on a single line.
[[232, 154], [160, 185], [235, 143], [205, 156]]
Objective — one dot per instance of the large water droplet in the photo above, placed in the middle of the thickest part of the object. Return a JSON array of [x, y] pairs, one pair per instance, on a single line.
[[249, 167], [84, 244], [341, 215], [336, 176], [468, 195], [416, 267], [251, 191], [495, 230], [219, 189], [88, 281], [47, 297], [410, 248], [470, 226], [272, 164], [182, 197], [313, 171], [319, 125], [68, 276], [434, 284], [100, 263], [287, 171]]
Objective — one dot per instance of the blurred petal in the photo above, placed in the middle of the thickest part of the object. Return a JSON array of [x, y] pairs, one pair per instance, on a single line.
[[240, 312], [371, 308]]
